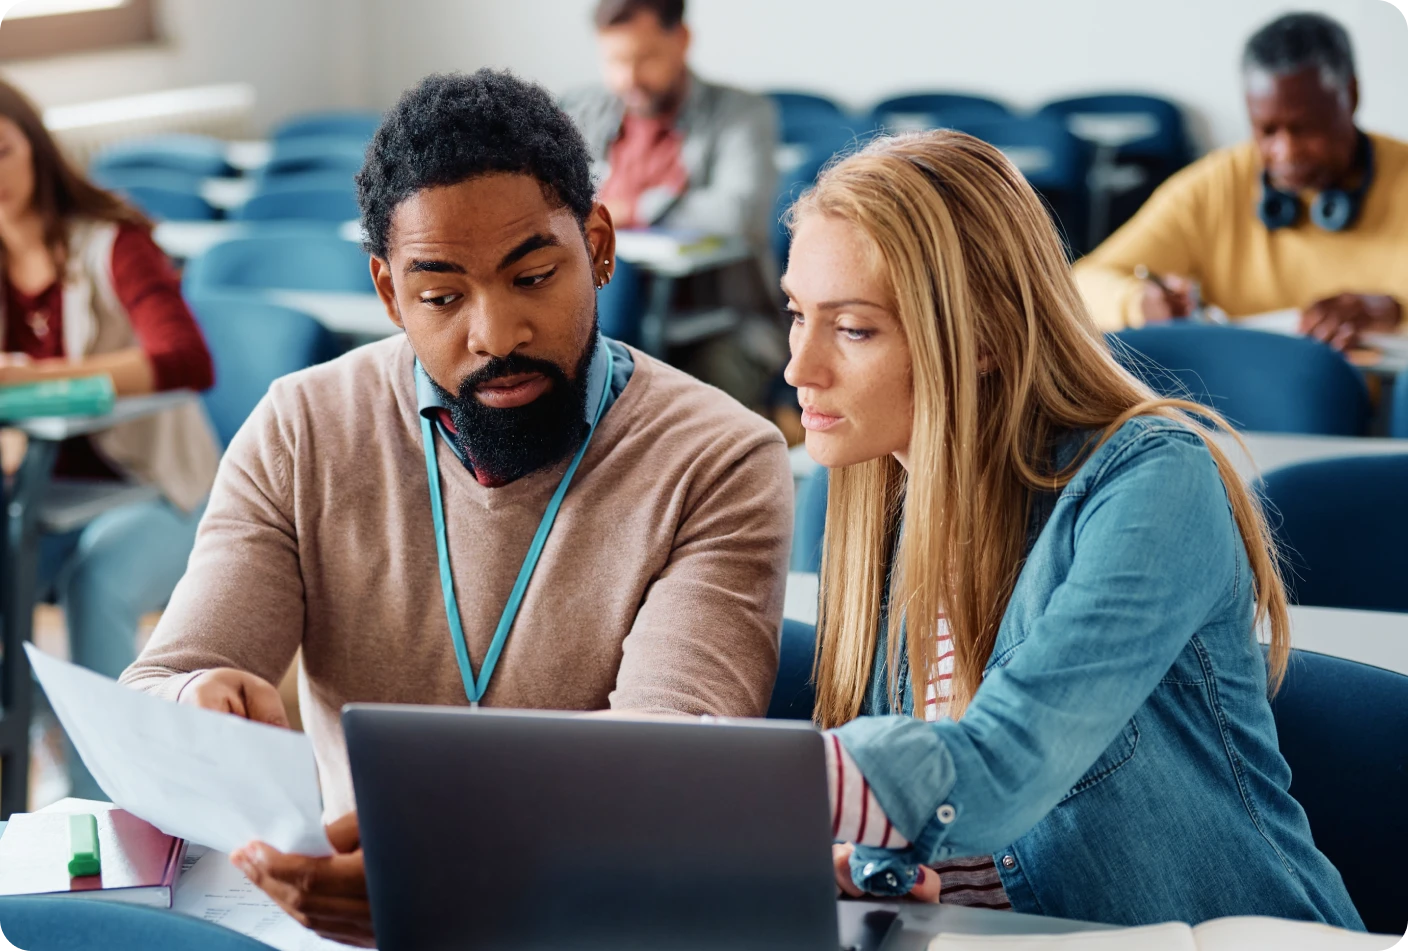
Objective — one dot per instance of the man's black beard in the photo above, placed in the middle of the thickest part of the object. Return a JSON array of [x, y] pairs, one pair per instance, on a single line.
[[504, 444]]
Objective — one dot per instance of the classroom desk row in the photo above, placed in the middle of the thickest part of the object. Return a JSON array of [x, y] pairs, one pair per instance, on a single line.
[[667, 260], [1264, 451], [1377, 638]]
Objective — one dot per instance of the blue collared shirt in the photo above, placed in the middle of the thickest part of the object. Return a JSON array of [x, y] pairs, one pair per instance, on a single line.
[[432, 407]]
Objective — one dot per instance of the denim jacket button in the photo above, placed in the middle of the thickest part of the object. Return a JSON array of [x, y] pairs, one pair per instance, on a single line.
[[1009, 862], [869, 869], [947, 813], [891, 880]]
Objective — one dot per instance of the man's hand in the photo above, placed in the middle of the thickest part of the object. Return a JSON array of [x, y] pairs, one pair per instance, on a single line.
[[1171, 300], [1339, 320], [926, 886], [227, 690], [328, 895]]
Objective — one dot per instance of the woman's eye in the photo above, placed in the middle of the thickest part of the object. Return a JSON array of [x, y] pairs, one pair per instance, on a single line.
[[795, 316], [444, 300], [855, 333], [534, 280]]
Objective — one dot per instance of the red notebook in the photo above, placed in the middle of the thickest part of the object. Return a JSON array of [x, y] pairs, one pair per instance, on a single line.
[[139, 862]]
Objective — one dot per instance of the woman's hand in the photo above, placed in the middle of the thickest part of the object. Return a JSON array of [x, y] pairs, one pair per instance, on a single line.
[[328, 895], [926, 885]]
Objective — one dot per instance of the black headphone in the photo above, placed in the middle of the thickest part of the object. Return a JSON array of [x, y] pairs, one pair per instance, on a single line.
[[1334, 209]]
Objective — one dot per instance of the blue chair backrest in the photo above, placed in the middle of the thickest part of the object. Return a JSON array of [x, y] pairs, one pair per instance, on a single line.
[[1167, 138], [299, 204], [159, 193], [1042, 149], [353, 124], [169, 204], [1343, 728], [67, 924], [1260, 381], [811, 522], [620, 305], [791, 185], [931, 109], [804, 104], [304, 258], [1398, 414], [794, 694], [1343, 525], [197, 155], [329, 153], [253, 343]]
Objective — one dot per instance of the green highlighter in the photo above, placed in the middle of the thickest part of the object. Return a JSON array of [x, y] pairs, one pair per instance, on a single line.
[[83, 846]]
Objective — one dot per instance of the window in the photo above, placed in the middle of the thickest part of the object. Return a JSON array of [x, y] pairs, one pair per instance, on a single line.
[[37, 28]]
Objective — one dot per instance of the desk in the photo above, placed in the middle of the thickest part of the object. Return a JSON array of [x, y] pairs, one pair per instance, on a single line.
[[919, 923], [1270, 451], [31, 507], [360, 314], [1267, 451], [668, 262], [1378, 638], [184, 240]]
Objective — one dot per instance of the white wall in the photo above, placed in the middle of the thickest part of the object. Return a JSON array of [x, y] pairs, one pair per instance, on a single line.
[[309, 54], [298, 54], [1022, 51]]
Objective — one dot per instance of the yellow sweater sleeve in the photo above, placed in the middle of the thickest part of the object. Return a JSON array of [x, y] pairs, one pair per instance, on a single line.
[[1164, 236]]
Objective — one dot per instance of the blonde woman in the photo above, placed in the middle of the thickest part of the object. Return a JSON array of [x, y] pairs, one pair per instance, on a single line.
[[1036, 657]]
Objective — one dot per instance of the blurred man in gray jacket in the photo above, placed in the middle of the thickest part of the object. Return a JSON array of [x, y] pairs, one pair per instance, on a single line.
[[674, 151]]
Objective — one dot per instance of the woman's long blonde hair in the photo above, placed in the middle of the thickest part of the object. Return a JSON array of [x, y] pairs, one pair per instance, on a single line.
[[1005, 360]]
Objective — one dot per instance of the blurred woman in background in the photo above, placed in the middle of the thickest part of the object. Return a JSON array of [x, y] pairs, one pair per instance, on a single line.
[[87, 292], [1040, 583]]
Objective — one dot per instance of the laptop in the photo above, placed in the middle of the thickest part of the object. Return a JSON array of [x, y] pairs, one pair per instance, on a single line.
[[526, 831]]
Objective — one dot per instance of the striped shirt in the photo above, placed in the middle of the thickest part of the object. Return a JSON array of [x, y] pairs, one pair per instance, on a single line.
[[857, 815]]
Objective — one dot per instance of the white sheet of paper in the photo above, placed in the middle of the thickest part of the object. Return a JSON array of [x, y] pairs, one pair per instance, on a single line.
[[207, 777], [216, 891]]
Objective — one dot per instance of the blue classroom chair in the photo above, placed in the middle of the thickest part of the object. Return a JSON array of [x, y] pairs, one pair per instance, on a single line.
[[162, 194], [330, 153], [300, 258], [1129, 169], [301, 204], [350, 123], [1343, 526], [198, 155], [805, 104], [794, 694], [1398, 413], [252, 343], [68, 924], [1260, 381], [620, 305], [930, 110], [811, 522], [1055, 162], [1343, 728]]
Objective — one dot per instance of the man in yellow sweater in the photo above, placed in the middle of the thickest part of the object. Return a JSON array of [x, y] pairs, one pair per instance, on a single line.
[[1311, 214]]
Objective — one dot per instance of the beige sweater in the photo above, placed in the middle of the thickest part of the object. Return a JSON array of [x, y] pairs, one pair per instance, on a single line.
[[660, 588]]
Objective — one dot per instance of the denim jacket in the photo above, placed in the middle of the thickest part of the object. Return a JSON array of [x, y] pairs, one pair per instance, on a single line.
[[1119, 761]]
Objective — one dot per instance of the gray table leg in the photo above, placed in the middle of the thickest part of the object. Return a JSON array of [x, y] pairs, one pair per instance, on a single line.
[[657, 313], [19, 520]]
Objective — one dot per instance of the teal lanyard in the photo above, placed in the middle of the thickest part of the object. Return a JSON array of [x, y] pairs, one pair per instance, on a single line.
[[476, 687]]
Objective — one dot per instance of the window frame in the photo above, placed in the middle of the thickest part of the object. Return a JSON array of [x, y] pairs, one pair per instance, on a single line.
[[59, 34]]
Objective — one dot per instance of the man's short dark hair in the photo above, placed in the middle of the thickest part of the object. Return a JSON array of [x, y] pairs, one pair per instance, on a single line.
[[1300, 41], [452, 127], [670, 13]]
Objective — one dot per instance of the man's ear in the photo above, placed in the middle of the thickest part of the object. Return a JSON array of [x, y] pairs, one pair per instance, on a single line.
[[601, 243], [381, 278], [1353, 94]]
